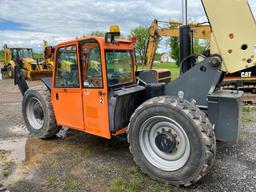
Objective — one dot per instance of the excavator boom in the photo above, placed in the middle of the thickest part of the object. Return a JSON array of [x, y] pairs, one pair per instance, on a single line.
[[199, 31]]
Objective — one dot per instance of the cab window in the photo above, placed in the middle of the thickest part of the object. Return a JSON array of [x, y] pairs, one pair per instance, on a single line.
[[91, 64], [67, 68], [119, 67]]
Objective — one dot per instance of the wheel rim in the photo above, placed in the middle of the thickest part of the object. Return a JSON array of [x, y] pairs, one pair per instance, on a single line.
[[164, 143], [35, 113]]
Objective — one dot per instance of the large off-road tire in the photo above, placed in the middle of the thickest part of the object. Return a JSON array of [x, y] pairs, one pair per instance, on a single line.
[[38, 112], [10, 71], [172, 141]]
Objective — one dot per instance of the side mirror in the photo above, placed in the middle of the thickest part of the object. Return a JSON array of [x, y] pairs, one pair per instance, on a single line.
[[49, 50]]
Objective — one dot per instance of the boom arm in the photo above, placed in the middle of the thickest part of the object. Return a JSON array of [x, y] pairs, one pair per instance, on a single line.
[[155, 32], [234, 33]]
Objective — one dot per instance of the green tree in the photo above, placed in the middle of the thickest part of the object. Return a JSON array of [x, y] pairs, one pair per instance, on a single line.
[[175, 49], [97, 33], [1, 55], [174, 44], [141, 34], [157, 57], [198, 48]]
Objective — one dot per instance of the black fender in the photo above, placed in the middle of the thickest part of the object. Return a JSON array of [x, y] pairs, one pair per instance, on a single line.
[[48, 82]]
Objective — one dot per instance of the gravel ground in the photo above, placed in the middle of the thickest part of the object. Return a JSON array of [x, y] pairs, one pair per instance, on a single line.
[[80, 162]]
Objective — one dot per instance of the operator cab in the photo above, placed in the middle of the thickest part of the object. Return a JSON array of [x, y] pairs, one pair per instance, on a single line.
[[21, 53], [94, 87], [18, 54]]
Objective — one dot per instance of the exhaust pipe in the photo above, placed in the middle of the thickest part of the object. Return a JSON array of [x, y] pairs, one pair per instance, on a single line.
[[184, 12], [185, 40]]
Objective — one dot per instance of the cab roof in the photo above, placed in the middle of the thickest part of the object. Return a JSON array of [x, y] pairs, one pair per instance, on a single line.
[[120, 43]]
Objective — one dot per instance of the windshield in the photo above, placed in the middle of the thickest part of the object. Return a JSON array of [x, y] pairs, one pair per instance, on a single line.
[[119, 67], [22, 53]]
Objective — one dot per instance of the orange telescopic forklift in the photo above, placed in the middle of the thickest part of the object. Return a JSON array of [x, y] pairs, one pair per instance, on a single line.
[[171, 128]]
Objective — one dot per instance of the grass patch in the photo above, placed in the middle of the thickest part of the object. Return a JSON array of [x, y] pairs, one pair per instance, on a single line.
[[133, 183], [249, 109], [132, 170], [249, 114], [72, 185], [5, 164], [5, 171], [53, 162], [248, 119], [159, 188], [137, 183], [102, 168], [136, 180], [117, 185], [121, 185], [52, 180]]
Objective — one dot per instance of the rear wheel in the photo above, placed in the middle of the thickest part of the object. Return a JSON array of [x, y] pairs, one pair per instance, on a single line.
[[172, 141], [10, 71], [38, 112]]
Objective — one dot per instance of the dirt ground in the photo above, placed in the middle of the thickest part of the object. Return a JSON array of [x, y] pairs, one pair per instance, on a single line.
[[80, 162]]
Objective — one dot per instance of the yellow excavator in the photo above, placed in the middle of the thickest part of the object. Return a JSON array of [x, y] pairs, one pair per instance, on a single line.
[[199, 31], [32, 68]]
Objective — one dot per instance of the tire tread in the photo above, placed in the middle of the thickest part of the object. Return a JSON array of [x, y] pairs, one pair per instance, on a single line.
[[52, 128], [204, 125]]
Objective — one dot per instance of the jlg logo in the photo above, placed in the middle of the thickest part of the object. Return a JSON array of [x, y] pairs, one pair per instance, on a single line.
[[246, 74]]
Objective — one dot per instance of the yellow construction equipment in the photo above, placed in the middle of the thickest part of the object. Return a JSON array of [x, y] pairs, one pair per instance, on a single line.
[[200, 31], [32, 69], [49, 61]]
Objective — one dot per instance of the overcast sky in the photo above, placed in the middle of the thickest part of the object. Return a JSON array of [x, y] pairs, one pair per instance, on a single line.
[[29, 22]]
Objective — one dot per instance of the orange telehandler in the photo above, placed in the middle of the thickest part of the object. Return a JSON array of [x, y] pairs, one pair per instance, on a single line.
[[171, 128]]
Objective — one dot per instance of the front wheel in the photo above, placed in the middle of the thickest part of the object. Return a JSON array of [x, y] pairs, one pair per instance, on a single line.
[[172, 141], [38, 112]]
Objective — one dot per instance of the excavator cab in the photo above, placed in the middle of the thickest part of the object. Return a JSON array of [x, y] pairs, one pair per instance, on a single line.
[[22, 53]]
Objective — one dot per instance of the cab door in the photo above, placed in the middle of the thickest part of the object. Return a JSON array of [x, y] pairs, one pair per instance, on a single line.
[[95, 95], [66, 92]]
